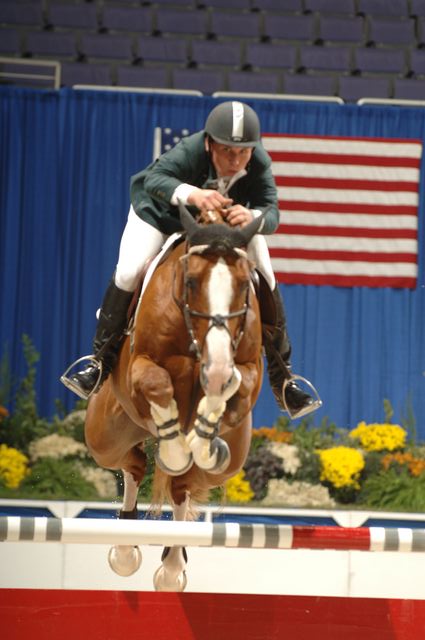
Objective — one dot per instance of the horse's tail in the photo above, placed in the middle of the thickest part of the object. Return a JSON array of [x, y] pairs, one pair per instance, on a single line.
[[174, 490]]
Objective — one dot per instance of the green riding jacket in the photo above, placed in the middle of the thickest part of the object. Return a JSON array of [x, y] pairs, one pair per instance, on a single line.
[[188, 162]]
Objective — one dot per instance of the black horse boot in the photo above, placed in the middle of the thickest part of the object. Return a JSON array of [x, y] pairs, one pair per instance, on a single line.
[[107, 341], [278, 353]]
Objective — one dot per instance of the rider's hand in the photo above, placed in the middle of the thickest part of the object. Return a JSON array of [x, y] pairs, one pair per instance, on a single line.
[[208, 200], [238, 215]]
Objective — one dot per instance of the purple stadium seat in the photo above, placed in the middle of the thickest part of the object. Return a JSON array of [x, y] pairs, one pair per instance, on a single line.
[[409, 89], [238, 24], [10, 41], [105, 45], [331, 6], [372, 60], [395, 8], [309, 85], [341, 29], [205, 81], [216, 52], [49, 43], [26, 13], [325, 58], [390, 31], [417, 8], [187, 4], [138, 19], [285, 6], [264, 55], [353, 88], [249, 82], [73, 16], [290, 27], [163, 49], [184, 21], [141, 77], [226, 4], [417, 61], [80, 73]]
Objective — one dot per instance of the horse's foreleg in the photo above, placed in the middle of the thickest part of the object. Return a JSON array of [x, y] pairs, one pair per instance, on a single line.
[[171, 574], [210, 452], [126, 559], [154, 383]]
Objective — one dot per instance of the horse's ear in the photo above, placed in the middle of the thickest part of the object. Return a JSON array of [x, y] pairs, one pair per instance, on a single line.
[[188, 222], [251, 229]]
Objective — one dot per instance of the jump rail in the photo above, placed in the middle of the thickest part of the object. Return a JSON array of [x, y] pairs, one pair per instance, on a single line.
[[208, 534]]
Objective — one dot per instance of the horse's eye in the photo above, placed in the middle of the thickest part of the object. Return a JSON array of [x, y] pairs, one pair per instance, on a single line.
[[191, 283]]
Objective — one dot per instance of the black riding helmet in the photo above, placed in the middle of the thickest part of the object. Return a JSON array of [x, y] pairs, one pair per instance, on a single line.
[[234, 124]]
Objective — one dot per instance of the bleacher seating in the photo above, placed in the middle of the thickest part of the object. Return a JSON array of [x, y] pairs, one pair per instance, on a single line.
[[314, 58], [346, 48]]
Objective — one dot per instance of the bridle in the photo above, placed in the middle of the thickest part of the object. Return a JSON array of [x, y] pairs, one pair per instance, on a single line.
[[215, 320]]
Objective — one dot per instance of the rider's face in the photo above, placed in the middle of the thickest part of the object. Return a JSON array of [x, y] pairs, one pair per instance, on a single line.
[[229, 160]]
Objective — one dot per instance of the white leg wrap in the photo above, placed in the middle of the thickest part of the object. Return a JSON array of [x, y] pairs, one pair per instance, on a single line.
[[173, 455], [210, 452]]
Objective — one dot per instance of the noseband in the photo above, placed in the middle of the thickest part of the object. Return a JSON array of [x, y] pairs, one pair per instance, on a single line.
[[215, 320]]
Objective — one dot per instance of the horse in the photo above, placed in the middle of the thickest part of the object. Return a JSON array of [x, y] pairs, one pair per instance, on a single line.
[[188, 375]]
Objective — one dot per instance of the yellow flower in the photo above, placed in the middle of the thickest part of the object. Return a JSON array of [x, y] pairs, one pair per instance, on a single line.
[[380, 437], [13, 467], [238, 489], [341, 466]]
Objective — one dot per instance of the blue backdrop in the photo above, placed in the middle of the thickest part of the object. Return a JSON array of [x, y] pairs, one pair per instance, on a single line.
[[65, 162]]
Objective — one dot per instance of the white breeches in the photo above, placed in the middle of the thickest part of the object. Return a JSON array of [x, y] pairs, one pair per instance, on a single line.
[[141, 241]]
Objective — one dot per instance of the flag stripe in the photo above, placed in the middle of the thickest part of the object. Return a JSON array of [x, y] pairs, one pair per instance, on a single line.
[[338, 183], [337, 280], [348, 207], [288, 157], [348, 210], [350, 232], [343, 171], [366, 256], [342, 267], [326, 218]]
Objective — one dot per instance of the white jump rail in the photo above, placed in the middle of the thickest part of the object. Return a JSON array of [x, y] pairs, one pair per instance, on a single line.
[[208, 534]]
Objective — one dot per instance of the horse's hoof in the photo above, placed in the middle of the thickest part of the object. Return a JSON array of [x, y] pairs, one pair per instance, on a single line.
[[124, 560], [223, 456], [173, 472], [161, 584]]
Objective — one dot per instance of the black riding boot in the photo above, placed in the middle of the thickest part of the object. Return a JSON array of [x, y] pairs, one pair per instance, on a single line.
[[278, 353], [107, 340]]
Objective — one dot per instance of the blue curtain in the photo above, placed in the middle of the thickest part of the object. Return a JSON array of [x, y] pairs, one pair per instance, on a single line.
[[66, 159]]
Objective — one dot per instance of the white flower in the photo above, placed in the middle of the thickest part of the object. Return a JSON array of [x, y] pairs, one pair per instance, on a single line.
[[288, 453], [103, 481], [297, 494], [56, 446]]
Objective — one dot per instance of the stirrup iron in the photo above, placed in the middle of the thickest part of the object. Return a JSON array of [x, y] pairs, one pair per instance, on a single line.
[[66, 379], [317, 402]]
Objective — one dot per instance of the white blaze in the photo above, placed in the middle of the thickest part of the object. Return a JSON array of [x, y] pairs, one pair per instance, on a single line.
[[220, 294]]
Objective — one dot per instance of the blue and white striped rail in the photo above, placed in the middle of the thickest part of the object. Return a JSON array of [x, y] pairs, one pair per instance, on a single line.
[[208, 534]]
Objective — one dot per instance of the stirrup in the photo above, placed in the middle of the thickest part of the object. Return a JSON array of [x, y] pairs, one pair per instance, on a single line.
[[304, 411], [69, 383]]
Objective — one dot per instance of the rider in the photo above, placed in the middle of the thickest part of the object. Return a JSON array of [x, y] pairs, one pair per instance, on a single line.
[[223, 168]]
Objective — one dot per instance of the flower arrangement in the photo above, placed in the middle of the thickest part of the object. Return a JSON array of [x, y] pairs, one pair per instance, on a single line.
[[379, 437], [375, 465], [341, 466], [13, 467]]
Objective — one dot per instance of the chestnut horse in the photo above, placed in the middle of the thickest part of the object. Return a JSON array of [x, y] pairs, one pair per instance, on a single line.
[[188, 375]]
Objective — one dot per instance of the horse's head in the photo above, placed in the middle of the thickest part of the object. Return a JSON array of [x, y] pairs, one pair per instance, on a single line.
[[216, 298]]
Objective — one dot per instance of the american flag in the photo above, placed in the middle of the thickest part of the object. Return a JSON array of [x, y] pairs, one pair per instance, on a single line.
[[348, 208]]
